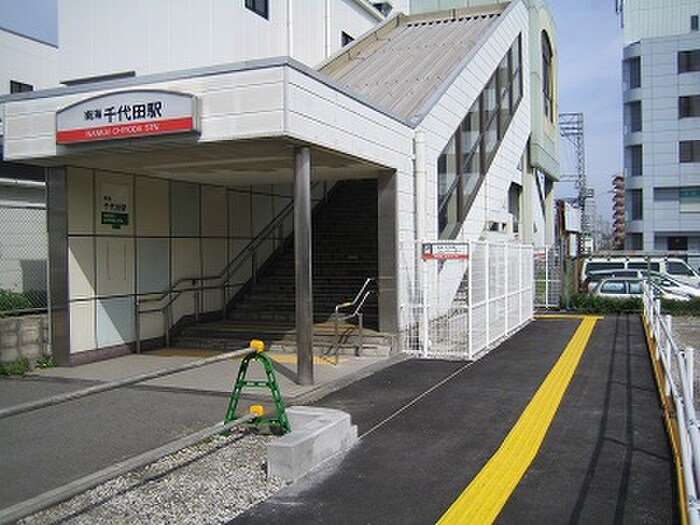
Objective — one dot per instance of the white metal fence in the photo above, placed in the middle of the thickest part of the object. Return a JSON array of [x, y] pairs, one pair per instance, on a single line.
[[469, 298], [548, 281], [676, 370]]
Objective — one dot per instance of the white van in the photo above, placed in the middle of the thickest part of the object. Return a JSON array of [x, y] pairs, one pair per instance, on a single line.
[[674, 267]]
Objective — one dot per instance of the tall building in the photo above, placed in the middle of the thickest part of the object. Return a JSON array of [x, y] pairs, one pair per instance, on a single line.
[[661, 97]]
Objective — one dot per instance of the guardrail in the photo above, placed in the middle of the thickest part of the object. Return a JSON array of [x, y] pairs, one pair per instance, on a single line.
[[356, 305], [678, 398]]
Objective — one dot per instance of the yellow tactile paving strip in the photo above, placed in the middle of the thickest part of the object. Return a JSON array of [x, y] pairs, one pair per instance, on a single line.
[[485, 496]]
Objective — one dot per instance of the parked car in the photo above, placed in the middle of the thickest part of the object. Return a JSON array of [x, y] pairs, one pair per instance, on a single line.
[[674, 267], [594, 278], [672, 285], [630, 287]]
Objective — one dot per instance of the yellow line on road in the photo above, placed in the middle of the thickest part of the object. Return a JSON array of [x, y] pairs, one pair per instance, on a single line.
[[483, 499]]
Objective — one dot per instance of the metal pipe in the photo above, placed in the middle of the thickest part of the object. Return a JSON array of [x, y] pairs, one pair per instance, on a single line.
[[69, 490], [303, 265], [112, 385]]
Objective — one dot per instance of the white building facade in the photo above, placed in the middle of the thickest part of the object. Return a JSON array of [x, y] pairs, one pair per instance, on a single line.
[[661, 96], [162, 173]]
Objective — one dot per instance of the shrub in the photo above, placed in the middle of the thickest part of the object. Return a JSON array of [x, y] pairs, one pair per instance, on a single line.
[[10, 301], [19, 367]]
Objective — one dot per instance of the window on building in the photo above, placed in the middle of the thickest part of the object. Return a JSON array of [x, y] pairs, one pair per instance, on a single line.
[[634, 160], [464, 162], [260, 7], [547, 77], [634, 241], [689, 201], [694, 22], [689, 61], [689, 151], [636, 209], [345, 39], [634, 116], [689, 106], [20, 87], [633, 72]]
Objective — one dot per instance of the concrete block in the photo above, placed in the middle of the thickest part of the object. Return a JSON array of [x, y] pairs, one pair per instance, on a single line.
[[317, 435]]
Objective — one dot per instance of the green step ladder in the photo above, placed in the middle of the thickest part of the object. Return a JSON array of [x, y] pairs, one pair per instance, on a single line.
[[278, 424]]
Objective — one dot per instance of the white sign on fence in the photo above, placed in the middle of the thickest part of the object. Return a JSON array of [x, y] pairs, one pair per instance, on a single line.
[[444, 250]]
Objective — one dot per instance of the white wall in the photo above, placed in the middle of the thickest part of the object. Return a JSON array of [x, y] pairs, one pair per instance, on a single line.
[[152, 36], [26, 60], [651, 18]]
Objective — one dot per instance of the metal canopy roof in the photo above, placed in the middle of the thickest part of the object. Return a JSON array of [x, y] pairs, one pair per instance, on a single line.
[[403, 63]]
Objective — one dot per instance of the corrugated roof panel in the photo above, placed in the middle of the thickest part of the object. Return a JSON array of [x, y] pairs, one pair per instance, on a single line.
[[399, 68]]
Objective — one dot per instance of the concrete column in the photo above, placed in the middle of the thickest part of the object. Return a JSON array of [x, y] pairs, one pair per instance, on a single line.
[[57, 223], [302, 265]]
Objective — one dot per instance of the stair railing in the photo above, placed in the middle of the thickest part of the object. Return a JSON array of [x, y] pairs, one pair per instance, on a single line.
[[352, 309], [221, 281]]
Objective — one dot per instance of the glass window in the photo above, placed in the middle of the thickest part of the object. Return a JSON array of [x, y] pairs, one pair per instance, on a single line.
[[690, 199], [689, 151], [635, 287], [259, 7], [689, 106], [613, 287], [678, 268], [447, 182], [689, 61], [20, 87], [634, 160], [599, 266], [643, 266], [633, 72], [547, 77], [464, 162], [634, 116], [636, 205], [345, 39]]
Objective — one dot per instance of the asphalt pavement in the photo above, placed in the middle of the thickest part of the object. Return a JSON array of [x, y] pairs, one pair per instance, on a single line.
[[605, 458], [427, 430]]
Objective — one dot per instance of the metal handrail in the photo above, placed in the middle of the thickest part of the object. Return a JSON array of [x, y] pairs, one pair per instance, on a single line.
[[174, 292], [357, 303], [683, 397]]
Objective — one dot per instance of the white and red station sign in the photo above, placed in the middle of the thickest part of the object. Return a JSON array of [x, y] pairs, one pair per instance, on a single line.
[[127, 114], [444, 251]]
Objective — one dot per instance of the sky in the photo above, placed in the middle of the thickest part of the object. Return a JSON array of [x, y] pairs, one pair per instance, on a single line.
[[589, 44]]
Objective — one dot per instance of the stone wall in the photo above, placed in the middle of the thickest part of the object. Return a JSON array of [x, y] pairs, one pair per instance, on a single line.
[[26, 336]]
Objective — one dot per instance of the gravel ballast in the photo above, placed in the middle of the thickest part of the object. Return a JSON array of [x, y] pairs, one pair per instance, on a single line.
[[211, 482]]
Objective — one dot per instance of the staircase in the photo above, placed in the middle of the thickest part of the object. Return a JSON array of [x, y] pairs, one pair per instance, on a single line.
[[344, 254]]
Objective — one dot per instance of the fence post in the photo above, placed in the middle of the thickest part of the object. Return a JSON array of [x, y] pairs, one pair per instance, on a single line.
[[137, 323], [424, 312], [470, 302], [546, 278], [690, 367], [488, 293]]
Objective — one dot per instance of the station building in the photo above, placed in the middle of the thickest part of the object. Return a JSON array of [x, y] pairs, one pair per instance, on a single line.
[[258, 161]]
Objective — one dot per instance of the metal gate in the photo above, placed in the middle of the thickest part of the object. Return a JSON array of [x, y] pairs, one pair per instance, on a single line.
[[548, 281], [470, 295]]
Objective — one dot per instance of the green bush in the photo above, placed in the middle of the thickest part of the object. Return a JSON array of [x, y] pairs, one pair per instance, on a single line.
[[13, 301], [593, 304], [690, 308], [18, 367]]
